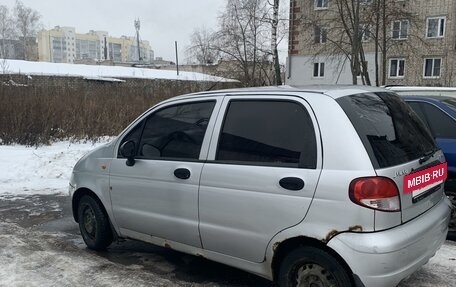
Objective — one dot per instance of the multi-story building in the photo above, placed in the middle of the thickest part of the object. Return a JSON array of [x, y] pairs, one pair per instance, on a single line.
[[64, 45], [14, 49], [420, 43]]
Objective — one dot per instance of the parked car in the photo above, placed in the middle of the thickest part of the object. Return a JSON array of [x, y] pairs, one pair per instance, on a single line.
[[438, 113], [326, 186]]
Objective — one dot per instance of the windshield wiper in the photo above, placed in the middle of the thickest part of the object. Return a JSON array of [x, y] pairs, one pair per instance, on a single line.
[[428, 155]]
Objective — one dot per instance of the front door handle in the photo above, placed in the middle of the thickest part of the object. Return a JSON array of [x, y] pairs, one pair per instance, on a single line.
[[182, 173], [292, 183]]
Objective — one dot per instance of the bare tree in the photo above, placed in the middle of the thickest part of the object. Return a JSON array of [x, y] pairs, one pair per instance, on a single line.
[[6, 31], [201, 48], [245, 44], [387, 12], [354, 27], [27, 22], [274, 42], [243, 38]]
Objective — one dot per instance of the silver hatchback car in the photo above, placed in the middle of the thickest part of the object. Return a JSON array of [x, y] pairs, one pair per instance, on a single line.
[[316, 186]]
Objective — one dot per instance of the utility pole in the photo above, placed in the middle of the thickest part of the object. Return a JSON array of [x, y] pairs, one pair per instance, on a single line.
[[177, 59], [137, 27]]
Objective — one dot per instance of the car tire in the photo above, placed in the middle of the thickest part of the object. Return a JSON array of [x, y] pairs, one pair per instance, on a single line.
[[311, 266], [94, 224]]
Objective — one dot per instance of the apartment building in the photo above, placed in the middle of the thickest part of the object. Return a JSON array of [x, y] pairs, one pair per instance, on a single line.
[[64, 45], [420, 43]]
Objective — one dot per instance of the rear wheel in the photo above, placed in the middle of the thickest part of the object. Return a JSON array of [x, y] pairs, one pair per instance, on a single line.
[[312, 267], [94, 224]]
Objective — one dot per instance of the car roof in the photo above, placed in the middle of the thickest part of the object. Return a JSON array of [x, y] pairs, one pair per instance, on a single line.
[[333, 91]]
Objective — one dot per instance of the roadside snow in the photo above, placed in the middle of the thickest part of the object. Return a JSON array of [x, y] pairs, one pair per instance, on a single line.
[[439, 271], [43, 170], [99, 71], [34, 258]]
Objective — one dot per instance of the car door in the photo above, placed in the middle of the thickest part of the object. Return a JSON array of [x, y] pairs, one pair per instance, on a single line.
[[158, 195], [262, 170]]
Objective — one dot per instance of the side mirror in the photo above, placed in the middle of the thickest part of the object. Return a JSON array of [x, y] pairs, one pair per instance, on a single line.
[[128, 150]]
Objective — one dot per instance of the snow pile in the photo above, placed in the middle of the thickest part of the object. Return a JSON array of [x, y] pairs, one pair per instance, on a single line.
[[42, 170], [99, 72]]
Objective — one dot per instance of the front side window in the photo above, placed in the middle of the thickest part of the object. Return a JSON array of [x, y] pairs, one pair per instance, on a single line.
[[400, 29], [435, 27], [268, 132], [432, 67], [397, 68], [321, 4], [174, 132], [319, 70]]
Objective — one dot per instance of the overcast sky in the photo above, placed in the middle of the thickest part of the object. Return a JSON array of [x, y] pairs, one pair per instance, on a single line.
[[162, 21]]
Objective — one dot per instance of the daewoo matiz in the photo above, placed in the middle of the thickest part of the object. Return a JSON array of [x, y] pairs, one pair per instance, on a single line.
[[316, 186]]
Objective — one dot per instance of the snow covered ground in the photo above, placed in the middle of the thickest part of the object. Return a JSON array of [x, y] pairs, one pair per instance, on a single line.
[[43, 170], [99, 71]]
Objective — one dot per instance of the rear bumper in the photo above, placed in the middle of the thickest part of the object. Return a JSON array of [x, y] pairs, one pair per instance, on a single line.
[[385, 258]]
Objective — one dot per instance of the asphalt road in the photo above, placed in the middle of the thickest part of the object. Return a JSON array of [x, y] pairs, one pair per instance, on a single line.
[[40, 245]]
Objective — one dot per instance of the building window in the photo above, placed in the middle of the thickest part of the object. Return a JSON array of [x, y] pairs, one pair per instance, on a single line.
[[397, 68], [400, 29], [435, 27], [321, 4], [320, 35], [319, 70], [432, 67]]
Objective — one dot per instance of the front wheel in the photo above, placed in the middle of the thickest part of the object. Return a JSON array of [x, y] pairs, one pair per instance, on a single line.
[[309, 266], [94, 224]]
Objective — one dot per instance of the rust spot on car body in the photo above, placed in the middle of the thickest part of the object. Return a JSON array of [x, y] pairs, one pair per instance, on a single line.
[[332, 233], [275, 245], [167, 245], [355, 228]]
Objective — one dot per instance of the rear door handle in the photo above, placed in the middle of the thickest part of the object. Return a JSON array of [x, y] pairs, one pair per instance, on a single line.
[[182, 173], [292, 183]]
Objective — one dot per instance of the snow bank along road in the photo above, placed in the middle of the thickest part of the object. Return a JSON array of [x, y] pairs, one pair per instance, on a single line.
[[40, 243]]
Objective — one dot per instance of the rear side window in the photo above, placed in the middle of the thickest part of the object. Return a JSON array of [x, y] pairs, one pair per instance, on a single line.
[[390, 131], [268, 132], [416, 107], [442, 125]]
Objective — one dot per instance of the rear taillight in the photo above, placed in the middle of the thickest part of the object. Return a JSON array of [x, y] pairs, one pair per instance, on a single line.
[[379, 193]]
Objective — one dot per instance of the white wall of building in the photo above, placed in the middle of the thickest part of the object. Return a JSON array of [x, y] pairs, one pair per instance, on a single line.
[[300, 70]]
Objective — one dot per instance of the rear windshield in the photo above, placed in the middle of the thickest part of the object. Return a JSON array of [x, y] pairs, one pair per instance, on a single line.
[[390, 131]]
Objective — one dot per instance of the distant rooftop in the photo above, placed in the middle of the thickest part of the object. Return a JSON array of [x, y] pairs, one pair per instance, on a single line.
[[99, 71]]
